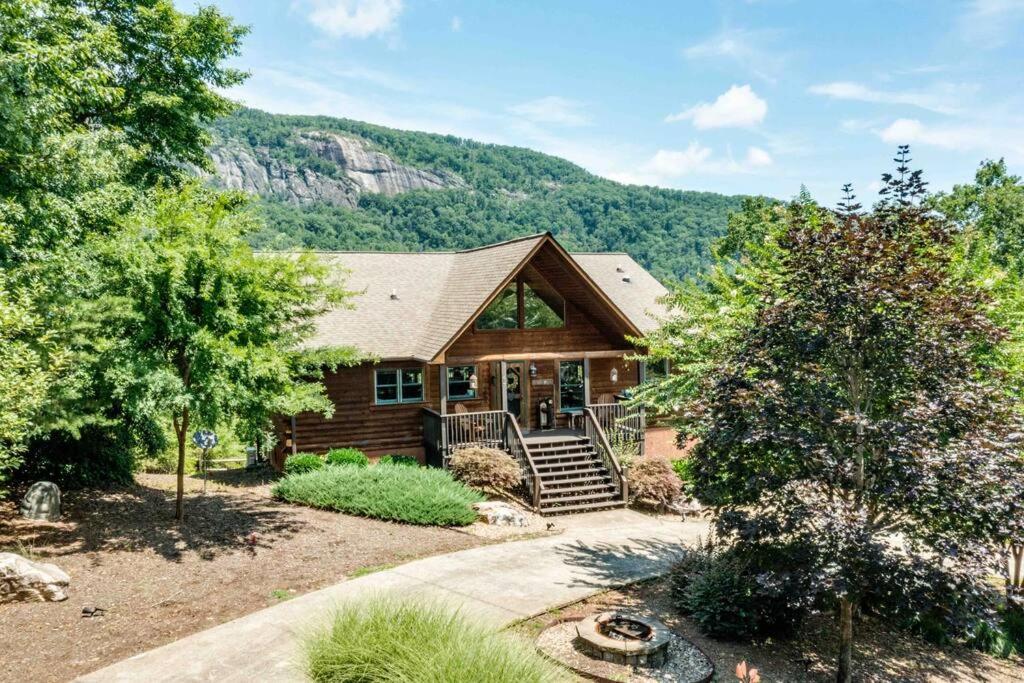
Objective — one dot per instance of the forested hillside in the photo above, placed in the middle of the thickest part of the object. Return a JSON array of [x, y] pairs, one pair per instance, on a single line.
[[332, 183]]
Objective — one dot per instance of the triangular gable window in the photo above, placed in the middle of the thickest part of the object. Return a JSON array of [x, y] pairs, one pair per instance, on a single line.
[[522, 306]]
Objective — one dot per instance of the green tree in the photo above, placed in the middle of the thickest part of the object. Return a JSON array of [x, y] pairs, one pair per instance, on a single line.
[[846, 404], [212, 330], [99, 99]]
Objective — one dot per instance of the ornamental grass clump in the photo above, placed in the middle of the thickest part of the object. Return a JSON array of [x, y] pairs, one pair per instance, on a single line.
[[402, 494], [487, 469], [383, 639]]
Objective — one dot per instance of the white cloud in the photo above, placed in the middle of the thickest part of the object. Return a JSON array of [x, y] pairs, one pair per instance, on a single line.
[[456, 24], [757, 158], [351, 18], [552, 109], [737, 107], [944, 98], [753, 50], [667, 166], [990, 23], [666, 162], [1006, 141]]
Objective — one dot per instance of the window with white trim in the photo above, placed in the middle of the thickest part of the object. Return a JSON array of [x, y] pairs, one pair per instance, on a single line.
[[398, 385]]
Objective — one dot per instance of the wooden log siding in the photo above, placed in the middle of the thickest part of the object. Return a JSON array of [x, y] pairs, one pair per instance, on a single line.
[[359, 423]]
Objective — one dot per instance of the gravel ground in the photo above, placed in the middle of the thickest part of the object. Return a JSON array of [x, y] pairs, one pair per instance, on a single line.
[[881, 656], [686, 663], [239, 551]]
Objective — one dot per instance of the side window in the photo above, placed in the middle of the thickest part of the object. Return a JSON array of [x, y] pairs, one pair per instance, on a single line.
[[570, 385], [392, 386], [386, 386], [655, 370], [461, 381]]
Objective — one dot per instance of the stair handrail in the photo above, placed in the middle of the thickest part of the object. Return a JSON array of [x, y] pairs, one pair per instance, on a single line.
[[534, 484], [604, 450]]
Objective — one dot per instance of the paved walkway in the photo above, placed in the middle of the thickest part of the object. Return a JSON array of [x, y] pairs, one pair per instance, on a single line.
[[498, 584]]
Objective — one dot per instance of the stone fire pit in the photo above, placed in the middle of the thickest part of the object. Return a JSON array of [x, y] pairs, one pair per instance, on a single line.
[[624, 638]]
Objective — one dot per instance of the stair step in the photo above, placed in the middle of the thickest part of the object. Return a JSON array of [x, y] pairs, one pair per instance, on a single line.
[[569, 468], [582, 507], [583, 497], [563, 456], [540, 452], [548, 493], [575, 481]]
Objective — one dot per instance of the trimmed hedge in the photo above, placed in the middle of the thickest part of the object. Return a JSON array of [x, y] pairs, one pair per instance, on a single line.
[[347, 456], [420, 495], [387, 639], [302, 462], [400, 460]]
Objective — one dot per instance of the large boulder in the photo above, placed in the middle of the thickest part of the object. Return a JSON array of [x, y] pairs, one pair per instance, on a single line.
[[42, 502], [23, 580], [500, 514]]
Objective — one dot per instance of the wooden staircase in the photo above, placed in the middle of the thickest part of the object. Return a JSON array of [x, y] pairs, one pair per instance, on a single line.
[[573, 476]]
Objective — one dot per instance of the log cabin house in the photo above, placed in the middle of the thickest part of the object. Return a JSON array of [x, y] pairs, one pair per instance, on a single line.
[[518, 345]]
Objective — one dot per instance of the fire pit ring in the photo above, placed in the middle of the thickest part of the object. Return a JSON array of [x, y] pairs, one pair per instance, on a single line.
[[624, 638]]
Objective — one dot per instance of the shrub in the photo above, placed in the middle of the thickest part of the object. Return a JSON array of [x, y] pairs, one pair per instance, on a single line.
[[302, 462], [385, 639], [485, 468], [740, 595], [420, 495], [683, 467], [100, 456], [400, 460], [347, 456], [652, 480]]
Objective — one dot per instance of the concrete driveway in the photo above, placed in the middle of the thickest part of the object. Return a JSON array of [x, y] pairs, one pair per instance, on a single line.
[[498, 584]]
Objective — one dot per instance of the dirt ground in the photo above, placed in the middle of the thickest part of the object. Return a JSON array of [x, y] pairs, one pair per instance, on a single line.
[[880, 655], [238, 551]]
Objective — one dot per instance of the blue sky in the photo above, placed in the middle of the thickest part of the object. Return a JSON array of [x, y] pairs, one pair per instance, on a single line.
[[743, 96]]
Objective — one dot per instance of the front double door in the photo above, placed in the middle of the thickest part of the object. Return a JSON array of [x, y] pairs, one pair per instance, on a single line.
[[511, 390]]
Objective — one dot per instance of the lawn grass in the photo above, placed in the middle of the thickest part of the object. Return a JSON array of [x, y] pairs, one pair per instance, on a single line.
[[382, 640], [402, 494]]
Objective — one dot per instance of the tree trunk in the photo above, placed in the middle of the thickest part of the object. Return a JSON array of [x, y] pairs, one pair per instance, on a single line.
[[181, 431], [844, 670]]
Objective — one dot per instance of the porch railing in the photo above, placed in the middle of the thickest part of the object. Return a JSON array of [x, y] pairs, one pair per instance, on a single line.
[[442, 434], [593, 430], [623, 424], [516, 446]]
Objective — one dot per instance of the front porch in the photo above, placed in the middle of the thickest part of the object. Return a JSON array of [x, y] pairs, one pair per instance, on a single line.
[[564, 469]]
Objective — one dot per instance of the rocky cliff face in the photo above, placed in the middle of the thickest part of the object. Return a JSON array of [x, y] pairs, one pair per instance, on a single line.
[[359, 169]]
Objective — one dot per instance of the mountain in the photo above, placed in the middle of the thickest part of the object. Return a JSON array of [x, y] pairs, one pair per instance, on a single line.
[[329, 183]]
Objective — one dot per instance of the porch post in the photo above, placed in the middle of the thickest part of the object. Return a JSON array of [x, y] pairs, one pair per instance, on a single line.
[[442, 387], [295, 440], [586, 381], [503, 369]]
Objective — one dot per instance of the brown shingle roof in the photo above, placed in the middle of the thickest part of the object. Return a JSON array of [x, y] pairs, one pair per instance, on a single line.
[[410, 305]]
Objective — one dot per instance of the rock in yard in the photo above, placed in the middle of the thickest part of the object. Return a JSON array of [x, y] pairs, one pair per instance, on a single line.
[[42, 502], [23, 580], [500, 514], [687, 507]]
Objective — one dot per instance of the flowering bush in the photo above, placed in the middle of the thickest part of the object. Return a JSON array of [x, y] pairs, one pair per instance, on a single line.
[[485, 469], [652, 480]]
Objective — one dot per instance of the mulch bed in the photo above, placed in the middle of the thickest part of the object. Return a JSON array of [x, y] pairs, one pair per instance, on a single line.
[[238, 551], [880, 656]]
